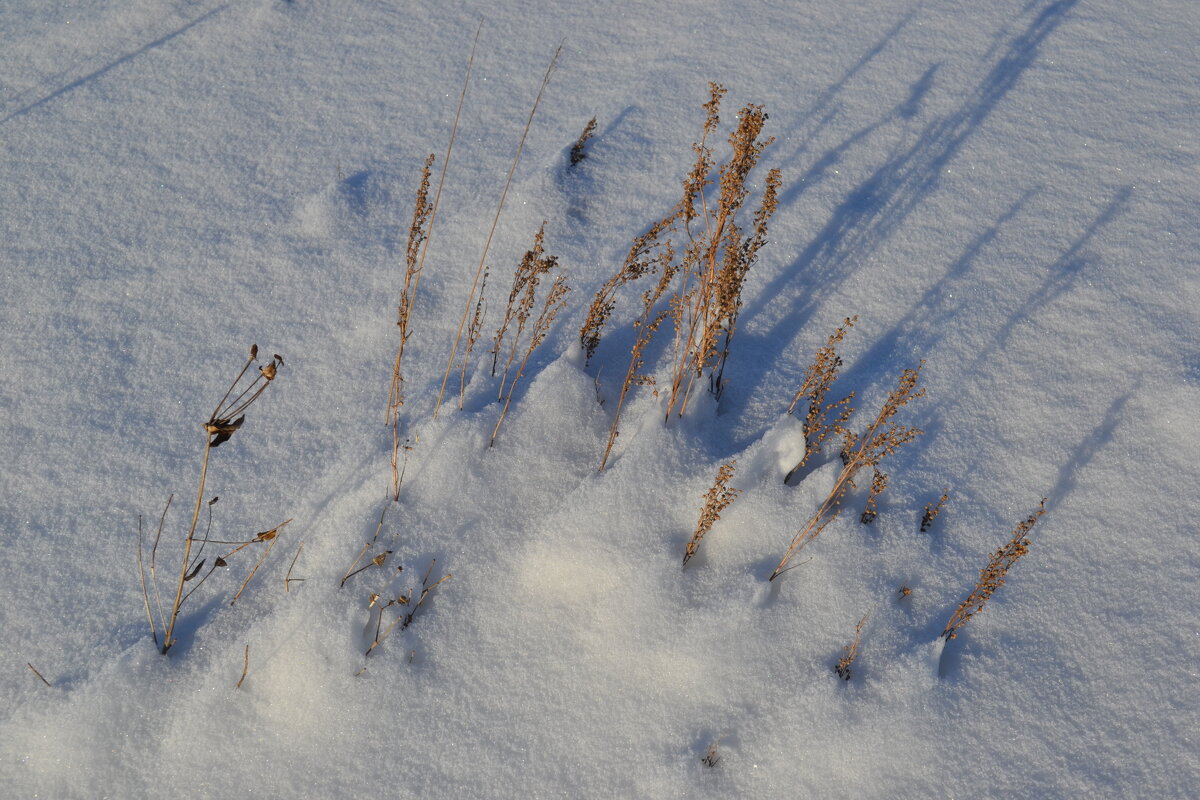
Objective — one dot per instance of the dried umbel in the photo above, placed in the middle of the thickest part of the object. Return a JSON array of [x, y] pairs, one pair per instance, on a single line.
[[991, 577], [226, 420]]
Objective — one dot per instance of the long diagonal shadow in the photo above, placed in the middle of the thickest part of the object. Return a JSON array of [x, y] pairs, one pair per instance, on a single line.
[[880, 204], [1061, 275], [75, 84]]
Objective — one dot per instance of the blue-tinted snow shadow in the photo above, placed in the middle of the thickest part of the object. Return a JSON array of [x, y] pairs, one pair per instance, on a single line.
[[188, 624], [901, 343], [824, 109], [576, 183], [91, 76], [872, 211]]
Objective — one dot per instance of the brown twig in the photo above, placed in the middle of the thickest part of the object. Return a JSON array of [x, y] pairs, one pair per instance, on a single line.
[[245, 667], [270, 537], [40, 675]]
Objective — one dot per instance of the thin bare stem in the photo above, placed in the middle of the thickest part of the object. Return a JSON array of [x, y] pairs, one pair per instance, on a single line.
[[491, 232], [187, 548], [263, 537], [288, 579], [142, 578], [404, 620], [350, 572], [153, 565]]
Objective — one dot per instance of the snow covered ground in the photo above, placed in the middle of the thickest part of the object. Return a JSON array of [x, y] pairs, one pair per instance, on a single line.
[[1006, 190]]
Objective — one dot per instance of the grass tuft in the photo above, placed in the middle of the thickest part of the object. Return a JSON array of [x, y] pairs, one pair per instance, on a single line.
[[702, 283]]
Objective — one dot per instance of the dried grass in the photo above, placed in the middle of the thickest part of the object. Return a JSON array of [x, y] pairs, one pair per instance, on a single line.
[[475, 288], [932, 510], [716, 500], [818, 379], [555, 300], [704, 285], [881, 439], [991, 577], [419, 234]]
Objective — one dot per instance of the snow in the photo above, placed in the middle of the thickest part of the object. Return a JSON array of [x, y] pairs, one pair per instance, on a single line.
[[1005, 190]]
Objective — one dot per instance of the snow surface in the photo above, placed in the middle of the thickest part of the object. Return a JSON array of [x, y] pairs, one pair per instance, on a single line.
[[1006, 190]]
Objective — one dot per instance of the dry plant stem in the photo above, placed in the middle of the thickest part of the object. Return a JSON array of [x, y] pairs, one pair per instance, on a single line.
[[492, 231], [351, 572], [850, 652], [555, 300], [703, 288], [153, 565], [187, 548], [288, 580], [521, 300], [245, 667], [416, 234], [878, 485], [932, 510], [991, 577], [145, 592], [720, 258], [645, 326], [268, 536], [408, 296], [224, 421], [818, 379], [404, 620], [473, 332], [274, 537], [40, 675], [882, 438], [716, 500]]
